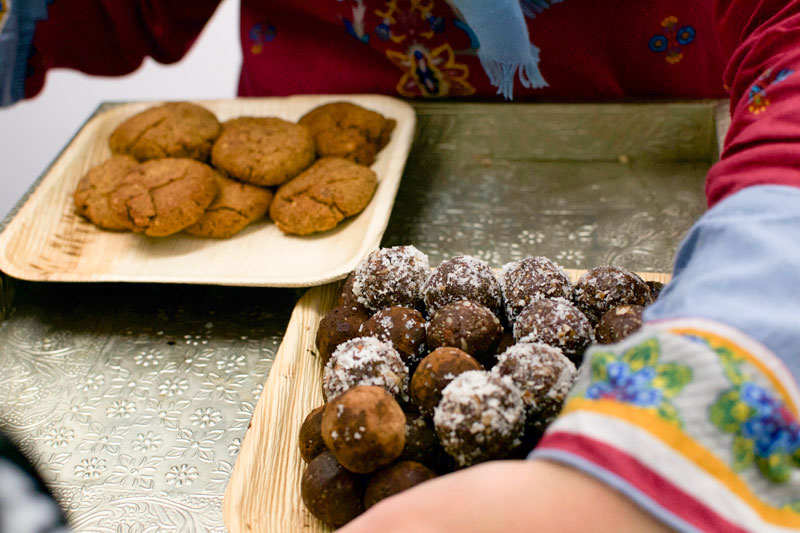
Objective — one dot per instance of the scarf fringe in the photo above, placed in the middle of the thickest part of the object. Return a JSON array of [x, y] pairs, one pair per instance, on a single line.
[[502, 74], [531, 8]]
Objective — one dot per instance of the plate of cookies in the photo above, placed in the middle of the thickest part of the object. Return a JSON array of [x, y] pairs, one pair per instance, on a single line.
[[408, 371], [276, 192]]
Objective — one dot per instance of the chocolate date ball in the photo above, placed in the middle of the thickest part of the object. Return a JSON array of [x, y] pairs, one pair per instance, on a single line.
[[422, 444], [346, 297], [481, 417], [618, 323], [605, 287], [435, 372], [394, 479], [468, 326], [403, 327], [391, 276], [655, 289], [543, 374], [462, 278], [556, 322], [340, 324], [364, 428], [529, 279], [330, 492], [310, 439], [506, 340], [365, 361]]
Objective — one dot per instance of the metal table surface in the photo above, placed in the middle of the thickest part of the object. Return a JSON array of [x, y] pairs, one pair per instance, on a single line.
[[133, 399]]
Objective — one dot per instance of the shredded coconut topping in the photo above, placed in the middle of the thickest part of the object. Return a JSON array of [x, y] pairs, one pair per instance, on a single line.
[[480, 417], [529, 279], [556, 322], [365, 361], [605, 287], [391, 276], [462, 278], [543, 374]]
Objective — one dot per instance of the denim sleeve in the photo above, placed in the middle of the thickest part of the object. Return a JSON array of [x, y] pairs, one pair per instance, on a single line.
[[740, 265], [696, 417], [17, 25]]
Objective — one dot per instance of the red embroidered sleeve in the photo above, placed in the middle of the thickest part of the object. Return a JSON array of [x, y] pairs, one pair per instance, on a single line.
[[109, 37], [762, 38]]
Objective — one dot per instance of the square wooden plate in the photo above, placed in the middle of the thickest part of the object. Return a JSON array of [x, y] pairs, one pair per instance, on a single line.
[[263, 493], [47, 241]]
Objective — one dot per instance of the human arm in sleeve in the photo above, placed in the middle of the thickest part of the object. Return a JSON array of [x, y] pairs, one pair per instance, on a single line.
[[97, 37]]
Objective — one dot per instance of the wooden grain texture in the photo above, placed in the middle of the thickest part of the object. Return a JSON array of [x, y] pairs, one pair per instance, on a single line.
[[47, 241], [263, 494]]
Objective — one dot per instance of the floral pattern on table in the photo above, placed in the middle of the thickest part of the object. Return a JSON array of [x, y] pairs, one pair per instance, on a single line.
[[143, 414]]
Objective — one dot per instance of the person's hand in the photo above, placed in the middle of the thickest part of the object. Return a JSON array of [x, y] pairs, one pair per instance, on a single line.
[[507, 496]]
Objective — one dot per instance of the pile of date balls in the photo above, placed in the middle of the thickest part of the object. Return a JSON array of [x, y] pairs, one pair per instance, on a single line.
[[429, 371]]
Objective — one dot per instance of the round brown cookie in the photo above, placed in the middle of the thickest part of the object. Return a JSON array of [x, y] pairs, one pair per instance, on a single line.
[[164, 196], [331, 190], [348, 130], [94, 190], [174, 129], [263, 151], [236, 205]]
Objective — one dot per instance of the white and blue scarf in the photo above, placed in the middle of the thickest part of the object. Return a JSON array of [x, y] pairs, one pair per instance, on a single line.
[[505, 46]]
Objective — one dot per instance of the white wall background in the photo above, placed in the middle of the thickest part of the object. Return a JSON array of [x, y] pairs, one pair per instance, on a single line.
[[33, 132]]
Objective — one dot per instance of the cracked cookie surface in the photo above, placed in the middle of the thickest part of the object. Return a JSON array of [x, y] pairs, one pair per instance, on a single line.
[[174, 129], [164, 196], [348, 130], [263, 151], [93, 193], [331, 190], [236, 205]]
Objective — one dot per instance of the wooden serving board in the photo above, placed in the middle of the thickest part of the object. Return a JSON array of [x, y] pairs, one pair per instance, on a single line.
[[47, 241], [263, 494]]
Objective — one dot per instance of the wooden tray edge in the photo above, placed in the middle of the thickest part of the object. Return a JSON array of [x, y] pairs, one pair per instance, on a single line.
[[296, 372]]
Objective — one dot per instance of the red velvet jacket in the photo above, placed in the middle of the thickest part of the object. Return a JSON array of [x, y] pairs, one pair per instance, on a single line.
[[421, 49]]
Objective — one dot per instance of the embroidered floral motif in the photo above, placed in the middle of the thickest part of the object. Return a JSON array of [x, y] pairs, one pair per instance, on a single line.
[[410, 21], [637, 378], [765, 431], [259, 35], [672, 39], [431, 73], [413, 34], [757, 95]]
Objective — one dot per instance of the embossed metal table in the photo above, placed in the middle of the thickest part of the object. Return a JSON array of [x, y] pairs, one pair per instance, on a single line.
[[133, 399]]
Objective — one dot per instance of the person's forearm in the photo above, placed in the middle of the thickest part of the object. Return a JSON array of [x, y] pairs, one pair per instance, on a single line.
[[518, 496], [107, 37]]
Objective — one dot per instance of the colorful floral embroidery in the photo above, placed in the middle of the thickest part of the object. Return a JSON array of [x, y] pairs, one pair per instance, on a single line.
[[411, 23], [732, 362], [260, 34], [431, 73], [637, 378], [672, 40], [413, 34], [765, 431], [757, 96]]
